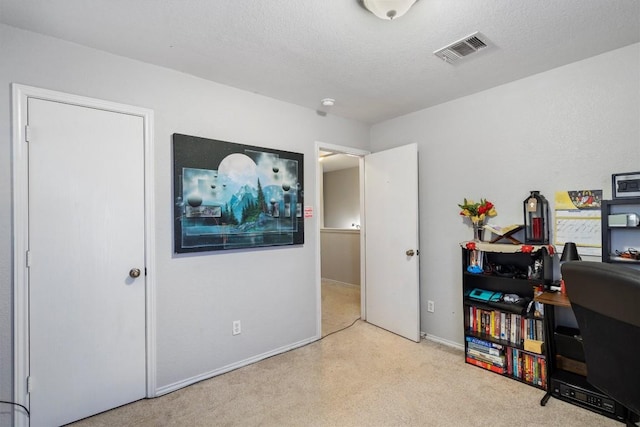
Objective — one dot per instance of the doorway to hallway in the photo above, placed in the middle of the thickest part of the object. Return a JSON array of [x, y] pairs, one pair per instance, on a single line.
[[340, 242], [389, 248]]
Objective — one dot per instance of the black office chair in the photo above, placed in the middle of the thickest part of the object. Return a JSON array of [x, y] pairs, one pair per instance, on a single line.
[[605, 299]]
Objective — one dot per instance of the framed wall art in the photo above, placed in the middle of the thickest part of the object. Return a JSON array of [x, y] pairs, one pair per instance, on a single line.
[[235, 196]]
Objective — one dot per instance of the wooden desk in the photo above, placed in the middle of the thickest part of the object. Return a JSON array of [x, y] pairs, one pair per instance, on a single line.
[[553, 298]]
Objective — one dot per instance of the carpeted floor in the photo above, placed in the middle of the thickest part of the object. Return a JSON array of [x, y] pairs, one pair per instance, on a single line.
[[360, 376], [340, 305]]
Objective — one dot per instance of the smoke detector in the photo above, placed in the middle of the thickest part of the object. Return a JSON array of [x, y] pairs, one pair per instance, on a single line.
[[463, 47]]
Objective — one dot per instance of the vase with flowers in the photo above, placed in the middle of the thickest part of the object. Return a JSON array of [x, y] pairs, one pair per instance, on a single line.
[[477, 212]]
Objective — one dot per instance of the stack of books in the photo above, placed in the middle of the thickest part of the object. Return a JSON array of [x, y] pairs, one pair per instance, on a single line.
[[486, 355], [525, 366]]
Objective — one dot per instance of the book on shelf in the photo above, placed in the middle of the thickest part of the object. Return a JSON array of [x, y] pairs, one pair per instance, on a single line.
[[539, 330], [489, 350], [485, 365], [484, 343], [514, 328]]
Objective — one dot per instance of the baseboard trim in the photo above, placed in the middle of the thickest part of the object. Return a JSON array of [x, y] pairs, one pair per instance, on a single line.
[[442, 341], [207, 375], [210, 374]]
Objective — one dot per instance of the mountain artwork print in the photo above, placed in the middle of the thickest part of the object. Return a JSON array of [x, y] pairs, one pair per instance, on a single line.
[[235, 196]]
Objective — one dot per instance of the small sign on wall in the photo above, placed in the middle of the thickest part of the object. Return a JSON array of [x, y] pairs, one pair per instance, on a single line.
[[308, 211]]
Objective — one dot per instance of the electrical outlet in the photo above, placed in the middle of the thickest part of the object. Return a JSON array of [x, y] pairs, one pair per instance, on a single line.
[[431, 306], [236, 328]]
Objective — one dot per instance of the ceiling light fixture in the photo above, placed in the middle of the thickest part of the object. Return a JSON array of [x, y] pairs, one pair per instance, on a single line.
[[387, 9], [328, 102]]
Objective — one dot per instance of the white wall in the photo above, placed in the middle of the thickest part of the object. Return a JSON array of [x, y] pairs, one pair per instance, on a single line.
[[198, 296], [340, 255], [568, 128], [341, 195]]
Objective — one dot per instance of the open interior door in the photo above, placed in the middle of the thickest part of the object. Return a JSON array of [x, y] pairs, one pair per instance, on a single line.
[[391, 239]]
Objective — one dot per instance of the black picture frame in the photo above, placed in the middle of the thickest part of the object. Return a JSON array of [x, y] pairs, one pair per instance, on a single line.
[[235, 196]]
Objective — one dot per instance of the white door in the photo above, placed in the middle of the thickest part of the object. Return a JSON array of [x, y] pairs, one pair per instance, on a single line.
[[86, 232], [391, 240]]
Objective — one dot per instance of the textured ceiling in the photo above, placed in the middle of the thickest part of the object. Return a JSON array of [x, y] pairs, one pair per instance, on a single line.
[[303, 51]]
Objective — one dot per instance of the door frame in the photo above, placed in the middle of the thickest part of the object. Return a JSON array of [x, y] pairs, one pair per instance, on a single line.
[[20, 188], [322, 146]]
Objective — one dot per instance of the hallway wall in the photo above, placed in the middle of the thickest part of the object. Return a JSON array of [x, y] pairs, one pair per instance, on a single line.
[[341, 195], [340, 252]]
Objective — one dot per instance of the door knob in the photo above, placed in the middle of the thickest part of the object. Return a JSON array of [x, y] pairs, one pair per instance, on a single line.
[[134, 273], [410, 252]]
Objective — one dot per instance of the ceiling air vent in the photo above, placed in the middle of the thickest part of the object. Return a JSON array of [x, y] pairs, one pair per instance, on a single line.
[[461, 48]]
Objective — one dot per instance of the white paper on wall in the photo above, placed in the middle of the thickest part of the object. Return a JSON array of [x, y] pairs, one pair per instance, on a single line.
[[578, 219]]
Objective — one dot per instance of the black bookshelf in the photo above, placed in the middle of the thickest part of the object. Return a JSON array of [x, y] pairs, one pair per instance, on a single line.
[[506, 337]]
